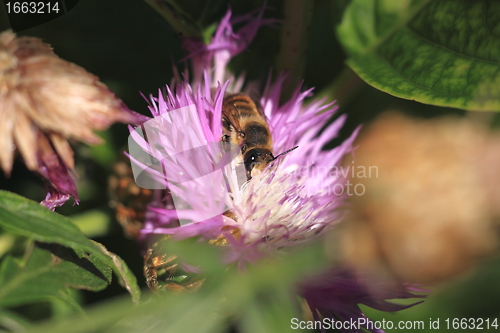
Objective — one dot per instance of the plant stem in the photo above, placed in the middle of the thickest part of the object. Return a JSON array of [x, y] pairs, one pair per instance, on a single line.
[[174, 18], [293, 43]]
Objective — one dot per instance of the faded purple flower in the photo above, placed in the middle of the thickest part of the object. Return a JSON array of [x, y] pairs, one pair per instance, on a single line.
[[336, 294]]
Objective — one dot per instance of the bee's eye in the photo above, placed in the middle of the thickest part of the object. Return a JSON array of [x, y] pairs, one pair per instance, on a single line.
[[251, 158]]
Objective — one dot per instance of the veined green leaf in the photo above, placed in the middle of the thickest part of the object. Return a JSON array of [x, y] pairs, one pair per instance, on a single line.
[[28, 218], [44, 276], [440, 52]]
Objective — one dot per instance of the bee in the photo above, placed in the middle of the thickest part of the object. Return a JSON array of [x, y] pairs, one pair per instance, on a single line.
[[244, 124]]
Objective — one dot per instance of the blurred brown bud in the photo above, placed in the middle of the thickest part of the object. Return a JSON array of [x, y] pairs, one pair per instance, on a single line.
[[427, 212], [43, 96]]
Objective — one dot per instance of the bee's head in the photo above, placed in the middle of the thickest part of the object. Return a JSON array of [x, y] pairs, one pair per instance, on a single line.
[[256, 160]]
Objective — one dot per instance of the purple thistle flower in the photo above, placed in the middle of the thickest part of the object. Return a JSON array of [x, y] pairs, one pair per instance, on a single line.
[[292, 202], [295, 200]]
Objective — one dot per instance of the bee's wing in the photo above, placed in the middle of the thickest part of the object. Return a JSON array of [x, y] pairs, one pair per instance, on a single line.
[[255, 98], [231, 118]]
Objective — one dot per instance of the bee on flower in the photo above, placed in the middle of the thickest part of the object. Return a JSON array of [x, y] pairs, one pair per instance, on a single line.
[[248, 174]]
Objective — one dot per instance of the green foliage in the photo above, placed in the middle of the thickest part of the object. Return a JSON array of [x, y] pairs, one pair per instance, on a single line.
[[13, 322], [28, 218], [44, 276], [440, 52], [92, 223], [259, 298]]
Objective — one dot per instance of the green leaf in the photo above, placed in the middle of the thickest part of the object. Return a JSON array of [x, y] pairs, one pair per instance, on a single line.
[[440, 52], [7, 241], [93, 223], [127, 278], [13, 322], [28, 218], [43, 277]]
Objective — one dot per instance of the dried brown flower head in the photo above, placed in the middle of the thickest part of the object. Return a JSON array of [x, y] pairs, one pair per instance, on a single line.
[[45, 100]]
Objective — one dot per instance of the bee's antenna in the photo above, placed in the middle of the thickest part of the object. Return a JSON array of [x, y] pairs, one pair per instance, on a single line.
[[286, 152]]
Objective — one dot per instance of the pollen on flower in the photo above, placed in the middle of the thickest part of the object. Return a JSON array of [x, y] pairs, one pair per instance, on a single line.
[[276, 208]]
